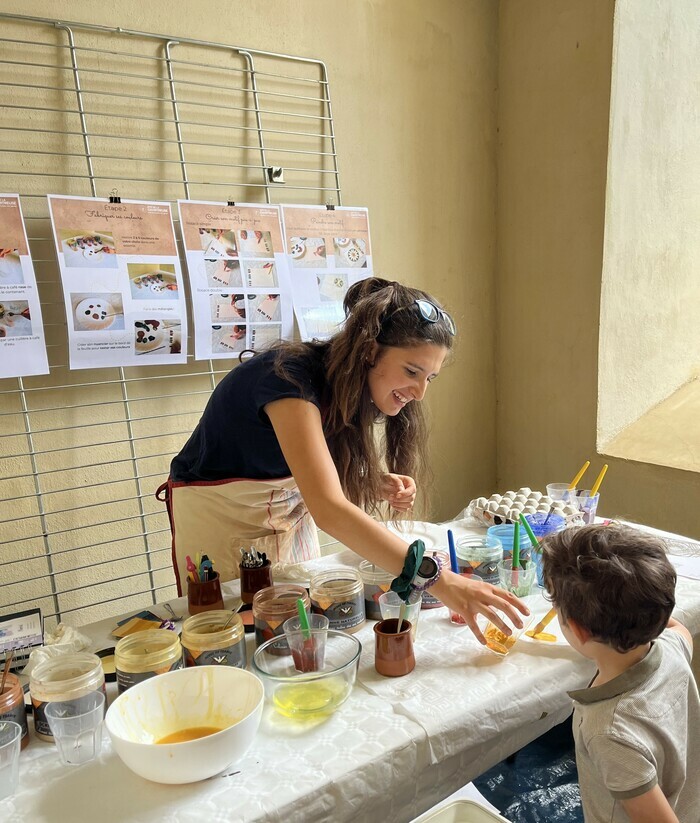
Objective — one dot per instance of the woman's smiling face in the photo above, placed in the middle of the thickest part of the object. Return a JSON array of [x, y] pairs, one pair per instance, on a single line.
[[401, 374]]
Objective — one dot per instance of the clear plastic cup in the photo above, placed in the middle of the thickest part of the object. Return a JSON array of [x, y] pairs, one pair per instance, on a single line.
[[77, 727], [561, 492], [10, 741], [517, 581], [500, 643], [390, 606], [308, 648], [587, 505]]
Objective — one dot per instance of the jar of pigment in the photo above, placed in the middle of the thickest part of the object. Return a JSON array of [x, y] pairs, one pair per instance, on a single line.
[[63, 678], [429, 600], [339, 594], [12, 705], [376, 582], [214, 638], [141, 655], [271, 607], [478, 557]]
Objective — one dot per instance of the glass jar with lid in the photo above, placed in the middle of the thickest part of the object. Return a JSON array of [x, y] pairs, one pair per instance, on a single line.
[[271, 607], [340, 595], [376, 581], [214, 638], [60, 679], [12, 705], [145, 654]]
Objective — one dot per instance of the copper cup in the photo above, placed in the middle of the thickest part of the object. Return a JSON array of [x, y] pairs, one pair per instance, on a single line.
[[253, 579], [393, 651], [204, 595]]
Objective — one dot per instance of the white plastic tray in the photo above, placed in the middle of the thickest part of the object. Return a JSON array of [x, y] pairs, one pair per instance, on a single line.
[[461, 811]]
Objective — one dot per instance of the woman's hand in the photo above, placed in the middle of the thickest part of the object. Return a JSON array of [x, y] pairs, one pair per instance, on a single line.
[[399, 491], [470, 597]]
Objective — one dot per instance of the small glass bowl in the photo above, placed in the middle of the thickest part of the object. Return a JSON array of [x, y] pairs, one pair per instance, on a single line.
[[301, 695]]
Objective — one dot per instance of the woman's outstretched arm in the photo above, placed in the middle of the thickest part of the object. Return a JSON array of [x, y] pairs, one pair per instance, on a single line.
[[297, 425]]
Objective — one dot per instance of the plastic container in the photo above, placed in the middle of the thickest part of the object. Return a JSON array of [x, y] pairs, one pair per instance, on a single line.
[[478, 556], [12, 705], [377, 581], [555, 523], [429, 600], [142, 655], [271, 607], [504, 533], [340, 595], [67, 677], [214, 638]]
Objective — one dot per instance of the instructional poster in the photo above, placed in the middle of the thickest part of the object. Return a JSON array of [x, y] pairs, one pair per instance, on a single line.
[[122, 282], [328, 250], [241, 295], [22, 342]]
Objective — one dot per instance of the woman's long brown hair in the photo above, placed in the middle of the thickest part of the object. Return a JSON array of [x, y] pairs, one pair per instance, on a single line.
[[383, 312]]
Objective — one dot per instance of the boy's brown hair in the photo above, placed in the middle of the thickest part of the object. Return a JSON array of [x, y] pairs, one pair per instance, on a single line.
[[614, 581]]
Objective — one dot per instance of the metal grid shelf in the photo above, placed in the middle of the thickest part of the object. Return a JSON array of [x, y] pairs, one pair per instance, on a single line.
[[87, 109]]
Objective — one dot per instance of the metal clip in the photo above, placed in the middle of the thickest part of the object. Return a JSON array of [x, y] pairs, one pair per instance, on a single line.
[[275, 174], [114, 196], [230, 203]]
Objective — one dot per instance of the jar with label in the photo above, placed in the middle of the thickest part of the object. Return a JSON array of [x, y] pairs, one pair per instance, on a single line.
[[12, 705], [478, 557], [376, 582], [60, 679], [271, 607], [141, 655], [429, 600], [340, 595], [214, 638]]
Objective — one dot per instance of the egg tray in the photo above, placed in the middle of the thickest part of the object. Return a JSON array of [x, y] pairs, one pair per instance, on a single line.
[[507, 507]]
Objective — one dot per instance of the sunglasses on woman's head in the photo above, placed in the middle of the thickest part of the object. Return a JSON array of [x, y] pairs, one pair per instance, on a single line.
[[432, 313]]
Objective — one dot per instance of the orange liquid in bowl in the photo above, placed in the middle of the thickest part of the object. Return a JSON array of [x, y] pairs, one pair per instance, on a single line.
[[193, 733]]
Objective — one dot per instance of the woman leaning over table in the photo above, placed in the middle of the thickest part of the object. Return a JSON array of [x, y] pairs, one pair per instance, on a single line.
[[289, 435]]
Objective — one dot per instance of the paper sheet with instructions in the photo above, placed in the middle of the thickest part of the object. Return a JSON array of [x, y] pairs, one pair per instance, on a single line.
[[22, 341], [122, 282], [241, 296], [328, 250]]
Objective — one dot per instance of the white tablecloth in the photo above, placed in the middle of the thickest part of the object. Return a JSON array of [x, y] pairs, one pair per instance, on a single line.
[[397, 747]]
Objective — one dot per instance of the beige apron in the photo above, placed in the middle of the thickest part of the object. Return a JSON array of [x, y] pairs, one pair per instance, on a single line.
[[219, 518]]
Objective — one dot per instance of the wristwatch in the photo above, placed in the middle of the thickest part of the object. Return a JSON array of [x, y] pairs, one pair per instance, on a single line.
[[428, 573]]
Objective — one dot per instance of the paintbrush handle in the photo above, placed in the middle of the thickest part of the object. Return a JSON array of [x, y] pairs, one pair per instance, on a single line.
[[546, 620]]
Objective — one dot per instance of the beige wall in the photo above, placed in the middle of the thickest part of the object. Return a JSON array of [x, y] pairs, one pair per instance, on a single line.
[[413, 89], [554, 87], [649, 340]]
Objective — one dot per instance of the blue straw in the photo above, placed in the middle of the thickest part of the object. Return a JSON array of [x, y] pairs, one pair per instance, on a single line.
[[453, 553]]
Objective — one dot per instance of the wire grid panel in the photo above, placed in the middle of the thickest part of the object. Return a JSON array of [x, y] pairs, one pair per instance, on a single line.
[[86, 110]]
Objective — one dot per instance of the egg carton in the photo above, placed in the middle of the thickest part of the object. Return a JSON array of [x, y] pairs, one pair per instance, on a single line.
[[507, 507]]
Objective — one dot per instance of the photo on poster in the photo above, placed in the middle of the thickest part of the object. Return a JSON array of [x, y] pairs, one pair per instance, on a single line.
[[254, 243], [224, 273], [332, 287], [153, 281], [227, 307], [97, 312], [157, 336], [228, 339], [263, 307], [261, 275], [88, 249], [308, 252], [15, 319], [10, 268], [321, 321], [218, 242], [350, 252], [263, 336]]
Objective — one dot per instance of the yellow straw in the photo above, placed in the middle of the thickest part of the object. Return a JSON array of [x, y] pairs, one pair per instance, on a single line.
[[580, 474], [598, 481]]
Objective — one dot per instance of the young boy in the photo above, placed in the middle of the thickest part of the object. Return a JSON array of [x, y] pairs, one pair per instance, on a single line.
[[637, 725]]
